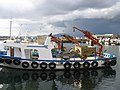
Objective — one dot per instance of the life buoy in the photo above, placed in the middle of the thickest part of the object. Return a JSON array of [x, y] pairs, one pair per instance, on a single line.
[[8, 61], [34, 64], [16, 62], [25, 64], [113, 62], [94, 64], [86, 64], [52, 65], [1, 60], [67, 65], [43, 65], [76, 65], [107, 63], [34, 76]]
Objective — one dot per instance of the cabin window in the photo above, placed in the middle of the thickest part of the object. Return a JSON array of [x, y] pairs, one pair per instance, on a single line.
[[27, 53], [31, 53], [6, 47], [3, 52]]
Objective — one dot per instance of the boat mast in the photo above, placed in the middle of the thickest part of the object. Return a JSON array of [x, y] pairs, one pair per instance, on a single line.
[[10, 26]]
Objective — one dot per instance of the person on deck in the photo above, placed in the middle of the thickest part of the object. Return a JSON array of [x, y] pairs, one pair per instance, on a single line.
[[35, 54]]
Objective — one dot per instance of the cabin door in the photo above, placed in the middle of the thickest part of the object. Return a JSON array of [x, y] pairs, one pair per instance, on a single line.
[[11, 51]]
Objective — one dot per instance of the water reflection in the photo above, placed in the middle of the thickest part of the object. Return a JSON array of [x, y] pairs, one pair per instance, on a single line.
[[53, 80]]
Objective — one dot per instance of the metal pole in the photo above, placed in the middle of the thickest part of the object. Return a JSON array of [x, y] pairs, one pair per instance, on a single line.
[[10, 27]]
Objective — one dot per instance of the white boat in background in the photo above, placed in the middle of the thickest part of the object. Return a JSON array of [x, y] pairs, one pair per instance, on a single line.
[[52, 55]]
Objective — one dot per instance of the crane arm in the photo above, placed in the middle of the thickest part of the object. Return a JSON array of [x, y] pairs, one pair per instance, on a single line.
[[71, 38], [57, 40], [91, 37], [86, 33]]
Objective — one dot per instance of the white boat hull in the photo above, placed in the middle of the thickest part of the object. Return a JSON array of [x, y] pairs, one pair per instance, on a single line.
[[59, 64]]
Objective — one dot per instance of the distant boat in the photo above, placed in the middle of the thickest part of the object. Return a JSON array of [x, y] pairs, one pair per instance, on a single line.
[[52, 55]]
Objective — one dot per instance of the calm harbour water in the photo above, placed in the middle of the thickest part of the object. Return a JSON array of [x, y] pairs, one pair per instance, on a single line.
[[100, 79]]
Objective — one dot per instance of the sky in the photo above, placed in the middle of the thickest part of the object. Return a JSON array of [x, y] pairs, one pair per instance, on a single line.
[[39, 17]]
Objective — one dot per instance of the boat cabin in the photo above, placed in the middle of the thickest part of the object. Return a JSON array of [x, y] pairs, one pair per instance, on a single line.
[[28, 51]]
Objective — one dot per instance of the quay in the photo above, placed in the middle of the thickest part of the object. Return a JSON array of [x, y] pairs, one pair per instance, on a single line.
[[104, 39]]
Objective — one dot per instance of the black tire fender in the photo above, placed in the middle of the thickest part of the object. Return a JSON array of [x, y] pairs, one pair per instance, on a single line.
[[34, 65], [52, 65], [67, 65], [8, 60], [107, 63], [1, 60], [43, 65], [25, 64], [76, 65], [16, 62], [86, 64], [94, 64], [113, 62]]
